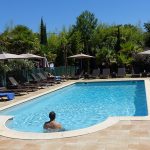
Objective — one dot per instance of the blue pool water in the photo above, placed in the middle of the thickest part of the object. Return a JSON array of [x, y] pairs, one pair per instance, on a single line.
[[81, 105]]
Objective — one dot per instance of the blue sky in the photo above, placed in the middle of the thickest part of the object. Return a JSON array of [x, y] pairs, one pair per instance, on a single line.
[[59, 13]]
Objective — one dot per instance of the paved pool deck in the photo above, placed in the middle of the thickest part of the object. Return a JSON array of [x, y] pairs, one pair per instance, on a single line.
[[126, 134]]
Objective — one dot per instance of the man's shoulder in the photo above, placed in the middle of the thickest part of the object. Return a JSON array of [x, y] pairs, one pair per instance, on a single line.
[[46, 124]]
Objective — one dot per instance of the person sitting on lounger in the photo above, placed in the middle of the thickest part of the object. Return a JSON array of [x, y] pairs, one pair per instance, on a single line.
[[52, 124]]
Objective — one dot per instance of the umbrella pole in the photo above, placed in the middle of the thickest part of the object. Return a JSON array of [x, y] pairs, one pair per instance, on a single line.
[[4, 79], [88, 67], [81, 65], [27, 75]]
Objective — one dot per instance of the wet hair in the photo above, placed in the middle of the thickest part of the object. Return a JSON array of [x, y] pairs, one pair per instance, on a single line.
[[52, 115]]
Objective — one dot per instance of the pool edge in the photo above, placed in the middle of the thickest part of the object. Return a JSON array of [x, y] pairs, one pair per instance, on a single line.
[[4, 131]]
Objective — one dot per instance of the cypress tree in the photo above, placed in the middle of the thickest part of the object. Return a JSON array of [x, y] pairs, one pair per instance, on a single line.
[[117, 46], [43, 34]]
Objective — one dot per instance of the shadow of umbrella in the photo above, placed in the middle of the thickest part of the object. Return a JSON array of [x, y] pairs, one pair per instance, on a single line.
[[81, 56]]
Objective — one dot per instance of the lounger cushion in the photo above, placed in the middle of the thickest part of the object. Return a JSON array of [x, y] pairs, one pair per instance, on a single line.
[[10, 96], [57, 78]]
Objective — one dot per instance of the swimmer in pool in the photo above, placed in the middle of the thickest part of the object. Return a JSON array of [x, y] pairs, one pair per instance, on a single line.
[[52, 124]]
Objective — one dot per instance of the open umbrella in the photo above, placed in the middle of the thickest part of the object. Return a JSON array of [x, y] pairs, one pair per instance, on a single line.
[[42, 60], [31, 56], [81, 56], [145, 52], [5, 56]]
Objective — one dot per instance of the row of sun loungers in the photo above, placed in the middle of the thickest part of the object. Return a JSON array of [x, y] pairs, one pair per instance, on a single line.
[[106, 73], [120, 73], [42, 80], [39, 80]]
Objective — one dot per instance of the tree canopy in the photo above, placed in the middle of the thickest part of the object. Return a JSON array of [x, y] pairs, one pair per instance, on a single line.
[[19, 40], [108, 43]]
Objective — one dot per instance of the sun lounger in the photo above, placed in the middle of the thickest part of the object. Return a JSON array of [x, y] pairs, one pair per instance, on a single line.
[[105, 73], [76, 77], [135, 73], [95, 74], [4, 89], [144, 74], [40, 81], [44, 78], [58, 79], [121, 72], [17, 91], [16, 85], [148, 74]]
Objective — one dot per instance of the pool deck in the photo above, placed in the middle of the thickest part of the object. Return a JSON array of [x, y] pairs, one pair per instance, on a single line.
[[126, 134]]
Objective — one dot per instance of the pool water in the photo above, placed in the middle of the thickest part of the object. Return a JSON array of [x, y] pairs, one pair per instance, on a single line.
[[80, 105]]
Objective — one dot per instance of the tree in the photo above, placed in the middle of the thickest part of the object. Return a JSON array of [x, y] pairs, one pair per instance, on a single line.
[[86, 24], [62, 48], [3, 44], [104, 36], [43, 33], [147, 34], [19, 40], [104, 55], [105, 41], [147, 26], [118, 46], [76, 43], [132, 42], [53, 42], [53, 46]]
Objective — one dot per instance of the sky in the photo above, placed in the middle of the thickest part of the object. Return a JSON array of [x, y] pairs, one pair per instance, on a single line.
[[63, 13]]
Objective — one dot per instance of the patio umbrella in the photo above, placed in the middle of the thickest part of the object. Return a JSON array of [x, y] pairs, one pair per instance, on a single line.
[[145, 52], [81, 56], [5, 56], [31, 56], [42, 62]]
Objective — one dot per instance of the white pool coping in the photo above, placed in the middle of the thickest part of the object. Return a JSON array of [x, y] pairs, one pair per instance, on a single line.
[[4, 131]]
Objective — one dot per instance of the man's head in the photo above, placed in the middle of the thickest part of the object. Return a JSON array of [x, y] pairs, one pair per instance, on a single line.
[[52, 115]]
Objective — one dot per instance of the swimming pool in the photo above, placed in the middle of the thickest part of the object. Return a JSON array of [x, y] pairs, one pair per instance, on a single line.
[[81, 105]]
